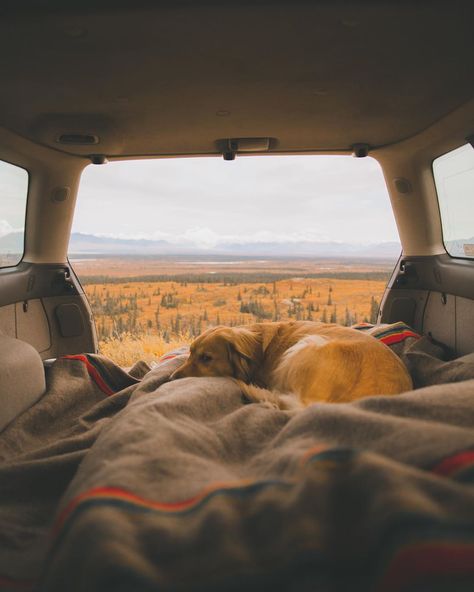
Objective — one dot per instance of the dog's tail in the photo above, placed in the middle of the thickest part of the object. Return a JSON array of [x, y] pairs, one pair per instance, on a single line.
[[256, 394]]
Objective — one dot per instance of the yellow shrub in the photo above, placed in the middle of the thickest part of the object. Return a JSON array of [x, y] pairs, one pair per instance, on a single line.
[[128, 349]]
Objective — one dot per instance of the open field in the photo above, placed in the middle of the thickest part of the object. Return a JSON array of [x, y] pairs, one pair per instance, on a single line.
[[96, 267], [144, 307]]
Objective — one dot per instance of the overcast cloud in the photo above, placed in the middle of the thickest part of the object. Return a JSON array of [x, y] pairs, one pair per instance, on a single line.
[[13, 195], [205, 201]]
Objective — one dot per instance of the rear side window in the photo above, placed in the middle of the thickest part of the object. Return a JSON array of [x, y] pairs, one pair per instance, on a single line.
[[13, 195], [454, 178]]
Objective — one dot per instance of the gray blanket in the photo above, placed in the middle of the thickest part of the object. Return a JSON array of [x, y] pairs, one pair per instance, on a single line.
[[114, 483]]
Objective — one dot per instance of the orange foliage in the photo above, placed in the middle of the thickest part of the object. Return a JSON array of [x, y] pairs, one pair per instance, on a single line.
[[180, 311], [136, 318]]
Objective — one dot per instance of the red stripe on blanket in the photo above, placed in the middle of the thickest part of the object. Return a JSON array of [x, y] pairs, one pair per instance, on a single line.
[[409, 565], [115, 493], [313, 451], [168, 357], [320, 452], [12, 584], [93, 373], [397, 337], [453, 464], [419, 562], [388, 334]]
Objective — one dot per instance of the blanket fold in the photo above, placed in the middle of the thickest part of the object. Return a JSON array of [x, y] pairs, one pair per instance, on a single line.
[[114, 481]]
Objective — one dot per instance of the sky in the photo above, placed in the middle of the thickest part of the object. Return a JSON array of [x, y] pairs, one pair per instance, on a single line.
[[454, 176], [13, 195], [209, 201]]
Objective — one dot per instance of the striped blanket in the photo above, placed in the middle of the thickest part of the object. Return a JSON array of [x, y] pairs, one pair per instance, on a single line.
[[388, 334], [118, 481]]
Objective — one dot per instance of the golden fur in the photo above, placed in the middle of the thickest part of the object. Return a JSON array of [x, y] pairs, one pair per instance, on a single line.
[[314, 361]]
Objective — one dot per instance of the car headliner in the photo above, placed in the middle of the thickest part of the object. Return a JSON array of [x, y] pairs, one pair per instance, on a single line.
[[177, 77]]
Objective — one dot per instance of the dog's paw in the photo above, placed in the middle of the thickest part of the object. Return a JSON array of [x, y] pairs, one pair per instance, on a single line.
[[289, 403], [268, 398]]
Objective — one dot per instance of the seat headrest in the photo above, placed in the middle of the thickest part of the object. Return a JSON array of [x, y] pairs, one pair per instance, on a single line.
[[22, 378]]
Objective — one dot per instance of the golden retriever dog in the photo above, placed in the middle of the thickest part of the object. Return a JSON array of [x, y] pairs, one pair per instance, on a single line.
[[313, 361]]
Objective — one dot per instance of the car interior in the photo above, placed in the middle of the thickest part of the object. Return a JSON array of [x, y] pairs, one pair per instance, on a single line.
[[88, 83]]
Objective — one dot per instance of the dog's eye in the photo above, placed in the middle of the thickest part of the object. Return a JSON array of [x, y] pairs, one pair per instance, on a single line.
[[205, 358]]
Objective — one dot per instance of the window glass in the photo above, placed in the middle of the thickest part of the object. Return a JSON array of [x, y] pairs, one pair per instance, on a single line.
[[167, 248], [13, 195], [454, 178]]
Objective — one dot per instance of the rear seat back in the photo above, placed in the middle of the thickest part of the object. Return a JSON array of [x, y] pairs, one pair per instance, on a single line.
[[22, 378]]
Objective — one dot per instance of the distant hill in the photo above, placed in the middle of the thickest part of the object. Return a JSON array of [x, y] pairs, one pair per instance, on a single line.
[[316, 249], [82, 244], [12, 243], [461, 247], [88, 243]]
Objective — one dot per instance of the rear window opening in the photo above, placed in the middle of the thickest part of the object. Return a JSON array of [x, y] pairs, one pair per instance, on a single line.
[[167, 248]]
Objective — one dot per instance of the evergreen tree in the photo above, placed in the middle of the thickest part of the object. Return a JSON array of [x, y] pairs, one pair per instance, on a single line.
[[374, 310], [348, 318], [276, 313]]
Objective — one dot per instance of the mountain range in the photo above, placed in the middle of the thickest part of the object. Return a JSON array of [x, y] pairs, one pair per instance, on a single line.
[[88, 244]]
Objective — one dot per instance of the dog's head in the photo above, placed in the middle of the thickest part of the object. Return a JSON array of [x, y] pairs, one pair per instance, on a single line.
[[223, 351]]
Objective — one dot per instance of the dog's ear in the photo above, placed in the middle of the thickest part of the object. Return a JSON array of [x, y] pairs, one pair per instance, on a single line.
[[244, 347]]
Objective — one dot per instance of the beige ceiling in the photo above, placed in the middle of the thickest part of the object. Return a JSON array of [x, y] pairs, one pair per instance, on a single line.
[[174, 78]]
